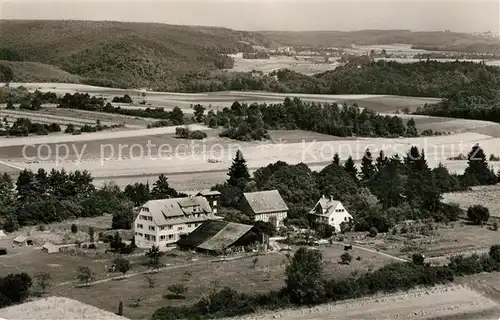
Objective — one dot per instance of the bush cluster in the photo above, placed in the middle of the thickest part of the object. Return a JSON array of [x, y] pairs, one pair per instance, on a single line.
[[185, 133], [24, 127]]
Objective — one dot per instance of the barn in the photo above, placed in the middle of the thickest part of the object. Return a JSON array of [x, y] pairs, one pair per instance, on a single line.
[[216, 237]]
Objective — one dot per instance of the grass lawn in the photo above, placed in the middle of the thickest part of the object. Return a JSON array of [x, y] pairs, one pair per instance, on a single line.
[[204, 276], [487, 196]]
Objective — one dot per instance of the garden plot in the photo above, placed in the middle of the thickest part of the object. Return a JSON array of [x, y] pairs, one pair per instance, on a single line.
[[438, 243]]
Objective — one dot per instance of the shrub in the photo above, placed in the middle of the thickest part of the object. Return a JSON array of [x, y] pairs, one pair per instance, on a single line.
[[74, 228], [494, 252], [373, 232], [182, 132], [478, 214], [125, 99], [346, 258], [178, 290], [304, 277], [418, 259], [197, 135]]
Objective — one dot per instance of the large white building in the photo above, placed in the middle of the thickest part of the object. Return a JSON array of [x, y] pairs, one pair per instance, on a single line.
[[163, 222], [331, 212]]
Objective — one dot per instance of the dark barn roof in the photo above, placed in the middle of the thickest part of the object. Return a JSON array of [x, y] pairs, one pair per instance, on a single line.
[[215, 235]]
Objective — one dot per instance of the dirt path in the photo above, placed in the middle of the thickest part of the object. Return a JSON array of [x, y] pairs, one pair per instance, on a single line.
[[373, 251]]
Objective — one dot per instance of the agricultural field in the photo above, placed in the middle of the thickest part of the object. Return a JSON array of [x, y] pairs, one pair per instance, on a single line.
[[218, 100], [171, 155], [488, 196], [488, 284], [50, 114], [187, 162], [301, 64], [442, 302], [127, 154]]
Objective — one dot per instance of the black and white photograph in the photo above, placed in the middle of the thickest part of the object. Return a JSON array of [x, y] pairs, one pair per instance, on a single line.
[[249, 160]]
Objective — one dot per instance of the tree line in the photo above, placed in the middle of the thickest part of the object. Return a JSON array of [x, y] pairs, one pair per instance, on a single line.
[[43, 197], [23, 127], [83, 101], [384, 192], [244, 122]]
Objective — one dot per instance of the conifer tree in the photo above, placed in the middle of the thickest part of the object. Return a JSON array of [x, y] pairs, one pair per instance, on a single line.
[[420, 185], [238, 172], [381, 160], [478, 169], [411, 128], [350, 167], [367, 167], [162, 190], [336, 159]]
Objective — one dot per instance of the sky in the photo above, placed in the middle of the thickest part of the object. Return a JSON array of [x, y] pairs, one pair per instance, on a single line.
[[461, 16]]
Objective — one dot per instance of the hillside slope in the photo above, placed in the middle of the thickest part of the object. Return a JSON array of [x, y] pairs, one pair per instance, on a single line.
[[26, 71], [125, 54], [452, 41]]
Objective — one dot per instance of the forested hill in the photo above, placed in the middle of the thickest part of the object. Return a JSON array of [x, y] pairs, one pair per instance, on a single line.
[[429, 79], [122, 53], [435, 40]]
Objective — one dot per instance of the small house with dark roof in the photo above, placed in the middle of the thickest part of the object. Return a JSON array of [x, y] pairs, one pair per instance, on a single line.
[[163, 222], [267, 206], [331, 212], [217, 237]]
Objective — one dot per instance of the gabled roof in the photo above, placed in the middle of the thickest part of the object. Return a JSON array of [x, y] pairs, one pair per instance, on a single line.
[[49, 245], [214, 235], [226, 237], [265, 201], [326, 204], [208, 193], [20, 239], [160, 210]]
